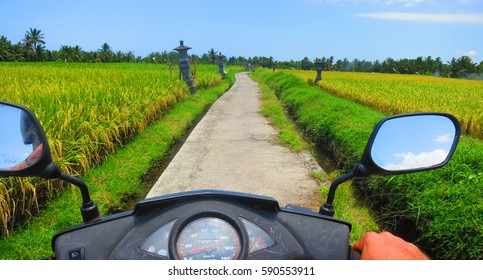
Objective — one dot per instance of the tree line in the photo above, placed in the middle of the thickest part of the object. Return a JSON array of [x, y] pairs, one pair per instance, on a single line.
[[457, 67], [462, 67], [32, 48]]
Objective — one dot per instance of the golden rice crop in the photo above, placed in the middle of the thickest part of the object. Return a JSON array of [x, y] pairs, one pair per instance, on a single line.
[[86, 110], [396, 94]]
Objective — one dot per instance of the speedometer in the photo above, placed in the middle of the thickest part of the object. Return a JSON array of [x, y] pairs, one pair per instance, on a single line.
[[208, 238]]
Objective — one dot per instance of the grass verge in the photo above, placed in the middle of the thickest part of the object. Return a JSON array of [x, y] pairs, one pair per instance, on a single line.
[[274, 110], [112, 183]]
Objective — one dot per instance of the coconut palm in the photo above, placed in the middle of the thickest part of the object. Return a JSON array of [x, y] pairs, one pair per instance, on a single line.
[[65, 52], [34, 41], [212, 56], [105, 53], [5, 49], [130, 57]]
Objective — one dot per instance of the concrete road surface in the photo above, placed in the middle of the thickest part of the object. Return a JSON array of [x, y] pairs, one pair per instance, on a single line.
[[233, 148]]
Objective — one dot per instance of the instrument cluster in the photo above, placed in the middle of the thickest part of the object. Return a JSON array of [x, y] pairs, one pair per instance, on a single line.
[[207, 237]]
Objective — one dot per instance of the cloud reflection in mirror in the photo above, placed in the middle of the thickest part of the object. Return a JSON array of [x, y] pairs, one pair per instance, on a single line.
[[413, 142]]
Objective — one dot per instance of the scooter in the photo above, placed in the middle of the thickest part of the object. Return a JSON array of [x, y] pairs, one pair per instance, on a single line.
[[223, 225]]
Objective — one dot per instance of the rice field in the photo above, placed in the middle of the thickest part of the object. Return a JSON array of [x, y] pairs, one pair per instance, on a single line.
[[396, 94], [86, 111]]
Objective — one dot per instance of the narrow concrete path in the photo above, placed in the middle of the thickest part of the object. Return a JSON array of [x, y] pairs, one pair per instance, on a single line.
[[233, 148]]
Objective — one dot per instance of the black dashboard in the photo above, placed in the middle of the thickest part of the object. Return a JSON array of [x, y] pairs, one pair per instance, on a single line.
[[208, 225]]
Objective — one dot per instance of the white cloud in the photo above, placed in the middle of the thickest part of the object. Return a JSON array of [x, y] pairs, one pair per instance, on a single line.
[[445, 18], [412, 161], [443, 138], [471, 53], [467, 53]]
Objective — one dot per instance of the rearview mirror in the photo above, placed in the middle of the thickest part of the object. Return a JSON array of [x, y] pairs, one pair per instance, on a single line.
[[403, 144], [24, 149], [411, 143], [21, 145]]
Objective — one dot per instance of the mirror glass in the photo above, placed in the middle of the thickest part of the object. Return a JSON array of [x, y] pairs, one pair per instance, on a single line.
[[20, 140], [413, 142]]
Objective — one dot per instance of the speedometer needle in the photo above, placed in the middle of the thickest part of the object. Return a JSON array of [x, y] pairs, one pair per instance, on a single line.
[[198, 249], [255, 245]]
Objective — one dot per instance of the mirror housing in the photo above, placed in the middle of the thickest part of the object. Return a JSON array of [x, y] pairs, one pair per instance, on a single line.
[[403, 144], [25, 152]]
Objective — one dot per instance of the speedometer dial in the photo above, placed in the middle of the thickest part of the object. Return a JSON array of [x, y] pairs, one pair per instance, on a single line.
[[208, 238]]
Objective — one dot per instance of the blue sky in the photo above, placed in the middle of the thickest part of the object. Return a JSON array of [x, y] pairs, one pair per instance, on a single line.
[[284, 29]]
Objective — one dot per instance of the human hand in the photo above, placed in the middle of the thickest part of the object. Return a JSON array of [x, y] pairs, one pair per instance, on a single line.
[[386, 246]]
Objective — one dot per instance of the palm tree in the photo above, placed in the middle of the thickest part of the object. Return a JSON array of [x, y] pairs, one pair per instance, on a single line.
[[5, 49], [65, 52], [130, 57], [19, 53], [39, 51], [453, 66], [120, 56], [105, 53], [212, 56], [77, 53], [34, 42]]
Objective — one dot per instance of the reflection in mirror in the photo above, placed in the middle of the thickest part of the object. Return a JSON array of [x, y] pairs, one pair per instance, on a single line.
[[413, 142], [20, 141]]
